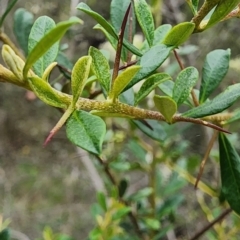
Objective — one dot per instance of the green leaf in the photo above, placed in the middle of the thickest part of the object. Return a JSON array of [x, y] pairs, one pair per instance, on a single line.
[[222, 10], [113, 41], [195, 5], [100, 68], [150, 61], [141, 194], [145, 19], [120, 166], [39, 29], [179, 34], [4, 234], [80, 74], [86, 131], [152, 223], [47, 41], [48, 94], [103, 22], [217, 105], [8, 9], [23, 21], [160, 33], [117, 12], [122, 80], [120, 213], [156, 132], [150, 83], [166, 106], [230, 172], [215, 69], [107, 26], [122, 187], [167, 87], [102, 200], [184, 84]]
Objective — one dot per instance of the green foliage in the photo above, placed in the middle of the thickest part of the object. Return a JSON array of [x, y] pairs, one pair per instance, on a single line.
[[97, 93], [230, 172], [214, 70], [23, 21], [86, 131]]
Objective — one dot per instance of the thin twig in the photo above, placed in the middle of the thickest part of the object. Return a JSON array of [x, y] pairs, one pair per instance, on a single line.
[[205, 229], [128, 65], [119, 45], [205, 158]]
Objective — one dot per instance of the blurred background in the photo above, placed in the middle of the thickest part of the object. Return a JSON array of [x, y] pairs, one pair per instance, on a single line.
[[52, 186]]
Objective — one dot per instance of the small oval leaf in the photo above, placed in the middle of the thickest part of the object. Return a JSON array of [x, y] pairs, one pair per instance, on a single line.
[[80, 74], [150, 61], [160, 33], [215, 69], [47, 41], [100, 68], [184, 84], [150, 84], [166, 106], [23, 21], [217, 105], [145, 19], [48, 94], [230, 172], [122, 81], [86, 131], [179, 34], [39, 29]]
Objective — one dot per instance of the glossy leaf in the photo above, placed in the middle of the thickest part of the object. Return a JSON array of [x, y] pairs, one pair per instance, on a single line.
[[47, 41], [39, 29], [230, 172], [184, 83], [215, 68], [100, 68], [150, 84], [48, 94], [80, 74], [23, 21], [155, 130], [145, 19], [222, 10], [122, 81], [179, 34], [150, 61], [107, 26], [217, 105], [8, 9], [86, 131], [166, 106]]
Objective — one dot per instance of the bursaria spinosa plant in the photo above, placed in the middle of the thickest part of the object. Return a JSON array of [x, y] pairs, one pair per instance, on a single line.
[[84, 117]]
